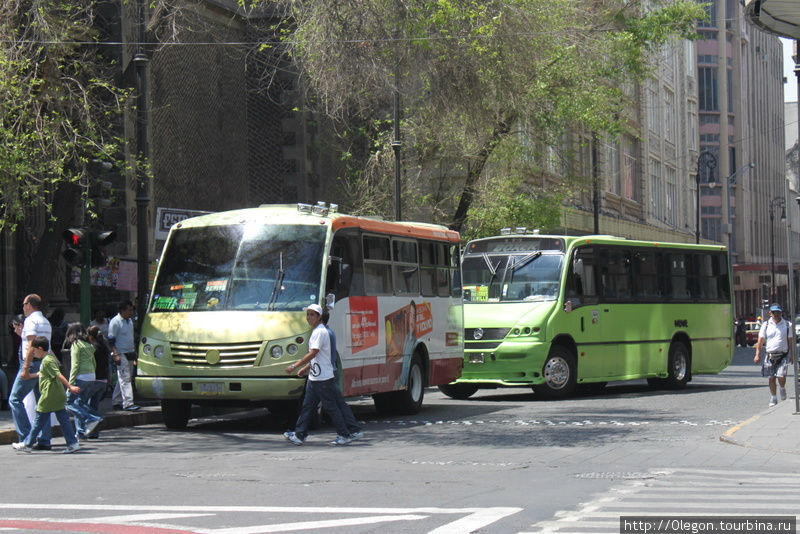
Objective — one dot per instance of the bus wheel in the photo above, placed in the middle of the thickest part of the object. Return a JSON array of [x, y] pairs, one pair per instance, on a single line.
[[458, 391], [559, 372], [677, 366], [407, 401], [176, 413]]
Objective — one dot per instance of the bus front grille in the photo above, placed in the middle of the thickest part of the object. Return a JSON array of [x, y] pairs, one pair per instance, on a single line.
[[485, 334], [230, 354]]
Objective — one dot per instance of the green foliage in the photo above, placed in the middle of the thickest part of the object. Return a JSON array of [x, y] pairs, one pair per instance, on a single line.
[[472, 74], [58, 107], [508, 203]]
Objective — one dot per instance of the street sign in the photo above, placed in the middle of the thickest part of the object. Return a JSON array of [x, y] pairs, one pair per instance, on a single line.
[[166, 217]]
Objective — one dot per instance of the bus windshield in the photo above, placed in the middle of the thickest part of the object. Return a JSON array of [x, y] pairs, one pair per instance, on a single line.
[[240, 267], [511, 277]]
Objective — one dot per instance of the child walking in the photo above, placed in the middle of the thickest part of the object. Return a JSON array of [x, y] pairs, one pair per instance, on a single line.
[[52, 398]]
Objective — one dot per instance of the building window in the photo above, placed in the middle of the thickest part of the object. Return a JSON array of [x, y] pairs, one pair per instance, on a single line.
[[707, 89], [653, 106], [628, 168], [612, 166], [671, 190], [656, 190], [669, 116]]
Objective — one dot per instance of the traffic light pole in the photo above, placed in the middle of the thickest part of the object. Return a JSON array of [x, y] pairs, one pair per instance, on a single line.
[[86, 289]]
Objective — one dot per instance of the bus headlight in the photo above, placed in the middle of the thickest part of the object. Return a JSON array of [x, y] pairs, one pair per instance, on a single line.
[[147, 349], [158, 352], [291, 349], [276, 351]]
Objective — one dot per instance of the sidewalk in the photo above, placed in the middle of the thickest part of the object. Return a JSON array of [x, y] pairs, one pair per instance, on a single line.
[[112, 419], [776, 429]]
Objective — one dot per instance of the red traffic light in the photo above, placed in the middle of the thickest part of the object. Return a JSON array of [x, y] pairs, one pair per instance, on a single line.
[[74, 236]]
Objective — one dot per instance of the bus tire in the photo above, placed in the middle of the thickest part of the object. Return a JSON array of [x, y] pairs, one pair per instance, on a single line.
[[458, 391], [176, 413], [560, 374], [678, 366], [407, 401]]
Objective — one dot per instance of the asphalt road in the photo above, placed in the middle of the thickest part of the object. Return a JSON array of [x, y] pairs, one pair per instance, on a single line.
[[499, 462]]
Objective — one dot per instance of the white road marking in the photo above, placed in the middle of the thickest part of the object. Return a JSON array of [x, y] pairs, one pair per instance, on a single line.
[[311, 525], [473, 518]]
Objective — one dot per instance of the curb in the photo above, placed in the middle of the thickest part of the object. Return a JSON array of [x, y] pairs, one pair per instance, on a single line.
[[727, 436], [145, 416]]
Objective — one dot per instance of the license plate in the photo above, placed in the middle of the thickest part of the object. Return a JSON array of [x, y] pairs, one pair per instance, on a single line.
[[210, 388]]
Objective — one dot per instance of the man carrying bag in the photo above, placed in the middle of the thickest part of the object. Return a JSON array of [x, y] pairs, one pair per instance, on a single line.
[[776, 337]]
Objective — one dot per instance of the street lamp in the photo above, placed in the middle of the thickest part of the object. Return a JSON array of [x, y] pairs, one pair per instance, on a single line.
[[708, 159], [777, 201]]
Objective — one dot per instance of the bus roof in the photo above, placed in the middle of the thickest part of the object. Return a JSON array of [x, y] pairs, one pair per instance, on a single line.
[[571, 241], [290, 214]]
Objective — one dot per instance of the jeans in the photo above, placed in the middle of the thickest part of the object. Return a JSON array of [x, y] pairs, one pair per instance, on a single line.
[[98, 394], [317, 391], [78, 406], [349, 419], [19, 391], [43, 418], [123, 391]]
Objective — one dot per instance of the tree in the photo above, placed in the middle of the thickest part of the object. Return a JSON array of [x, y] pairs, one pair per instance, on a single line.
[[480, 81], [58, 111]]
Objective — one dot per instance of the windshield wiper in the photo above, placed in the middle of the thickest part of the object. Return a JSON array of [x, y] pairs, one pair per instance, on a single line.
[[517, 265], [278, 287], [526, 260]]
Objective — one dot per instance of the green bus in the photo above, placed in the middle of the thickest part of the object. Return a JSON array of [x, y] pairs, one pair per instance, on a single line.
[[557, 313]]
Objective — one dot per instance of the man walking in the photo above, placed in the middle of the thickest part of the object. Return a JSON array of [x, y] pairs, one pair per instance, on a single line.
[[35, 324], [123, 351], [776, 335], [319, 386]]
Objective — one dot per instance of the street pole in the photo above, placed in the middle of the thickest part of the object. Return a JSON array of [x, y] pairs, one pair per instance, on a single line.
[[772, 252], [797, 75], [140, 61], [710, 160], [729, 224]]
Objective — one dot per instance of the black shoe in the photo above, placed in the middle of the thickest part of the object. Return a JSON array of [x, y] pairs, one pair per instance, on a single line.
[[40, 447], [117, 407]]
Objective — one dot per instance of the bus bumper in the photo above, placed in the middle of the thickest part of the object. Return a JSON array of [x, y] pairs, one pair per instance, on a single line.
[[511, 364], [244, 389]]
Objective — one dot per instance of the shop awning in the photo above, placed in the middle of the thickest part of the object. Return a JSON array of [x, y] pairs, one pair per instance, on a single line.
[[781, 17]]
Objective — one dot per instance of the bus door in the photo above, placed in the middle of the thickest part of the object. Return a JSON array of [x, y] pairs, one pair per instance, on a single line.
[[588, 320]]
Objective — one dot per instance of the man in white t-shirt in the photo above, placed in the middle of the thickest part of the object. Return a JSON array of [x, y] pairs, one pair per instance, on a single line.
[[320, 386], [776, 337], [36, 324]]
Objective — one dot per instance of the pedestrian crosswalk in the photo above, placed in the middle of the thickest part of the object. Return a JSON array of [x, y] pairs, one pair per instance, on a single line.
[[678, 493]]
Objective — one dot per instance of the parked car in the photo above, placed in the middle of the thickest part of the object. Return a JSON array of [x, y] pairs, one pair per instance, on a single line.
[[751, 332]]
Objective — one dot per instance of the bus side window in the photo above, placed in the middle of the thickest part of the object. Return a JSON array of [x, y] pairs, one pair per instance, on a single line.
[[581, 283], [377, 265], [616, 273], [345, 272], [678, 277], [454, 260]]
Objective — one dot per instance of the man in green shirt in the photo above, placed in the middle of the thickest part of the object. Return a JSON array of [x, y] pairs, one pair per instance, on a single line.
[[52, 398]]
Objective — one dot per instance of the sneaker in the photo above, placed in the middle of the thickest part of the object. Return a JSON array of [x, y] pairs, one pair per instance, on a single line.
[[21, 447], [783, 393], [71, 448], [292, 438], [356, 435], [773, 401], [341, 440], [132, 408], [41, 447], [90, 426]]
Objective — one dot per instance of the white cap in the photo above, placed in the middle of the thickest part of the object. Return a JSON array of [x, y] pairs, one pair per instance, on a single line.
[[314, 307]]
